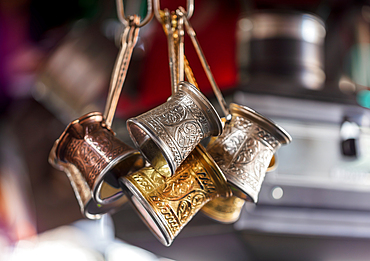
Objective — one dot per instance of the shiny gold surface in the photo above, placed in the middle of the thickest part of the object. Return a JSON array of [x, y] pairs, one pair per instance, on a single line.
[[273, 164], [225, 210], [167, 204]]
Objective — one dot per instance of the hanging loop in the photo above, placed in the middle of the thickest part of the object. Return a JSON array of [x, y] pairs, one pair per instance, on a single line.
[[125, 20], [189, 12]]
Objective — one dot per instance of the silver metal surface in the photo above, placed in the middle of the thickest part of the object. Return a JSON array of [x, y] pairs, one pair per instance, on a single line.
[[172, 60], [181, 47], [245, 149], [298, 26], [173, 26], [168, 133], [323, 194]]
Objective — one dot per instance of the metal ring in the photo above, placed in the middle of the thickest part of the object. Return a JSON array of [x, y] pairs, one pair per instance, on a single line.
[[189, 12], [124, 20]]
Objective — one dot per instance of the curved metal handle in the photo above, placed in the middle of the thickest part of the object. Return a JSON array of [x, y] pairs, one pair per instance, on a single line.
[[220, 98], [125, 20], [129, 40], [167, 24], [180, 46], [173, 25]]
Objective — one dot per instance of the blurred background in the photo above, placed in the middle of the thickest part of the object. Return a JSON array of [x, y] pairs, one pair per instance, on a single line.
[[304, 64]]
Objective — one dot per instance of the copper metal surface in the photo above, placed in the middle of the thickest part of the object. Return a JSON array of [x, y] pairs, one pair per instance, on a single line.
[[90, 153], [89, 207]]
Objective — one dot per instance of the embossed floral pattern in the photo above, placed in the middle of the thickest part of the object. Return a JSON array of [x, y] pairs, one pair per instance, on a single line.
[[244, 152], [175, 114], [91, 153], [178, 198], [179, 124]]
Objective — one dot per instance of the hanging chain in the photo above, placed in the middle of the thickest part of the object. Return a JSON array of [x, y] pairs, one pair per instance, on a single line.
[[125, 20]]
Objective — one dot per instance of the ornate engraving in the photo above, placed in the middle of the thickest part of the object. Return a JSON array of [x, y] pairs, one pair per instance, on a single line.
[[242, 123], [248, 151], [143, 182], [267, 137], [184, 210], [180, 124], [178, 198], [188, 135], [197, 113], [169, 141], [175, 114], [147, 179], [94, 150], [244, 152], [172, 221], [176, 189]]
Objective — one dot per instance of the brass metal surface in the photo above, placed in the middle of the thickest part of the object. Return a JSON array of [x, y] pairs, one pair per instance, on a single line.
[[166, 205], [224, 210]]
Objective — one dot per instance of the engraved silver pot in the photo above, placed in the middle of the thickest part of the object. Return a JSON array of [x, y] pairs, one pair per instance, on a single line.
[[167, 134], [245, 149]]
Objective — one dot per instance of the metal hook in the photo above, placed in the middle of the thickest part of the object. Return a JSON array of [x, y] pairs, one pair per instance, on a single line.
[[124, 20], [189, 12]]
